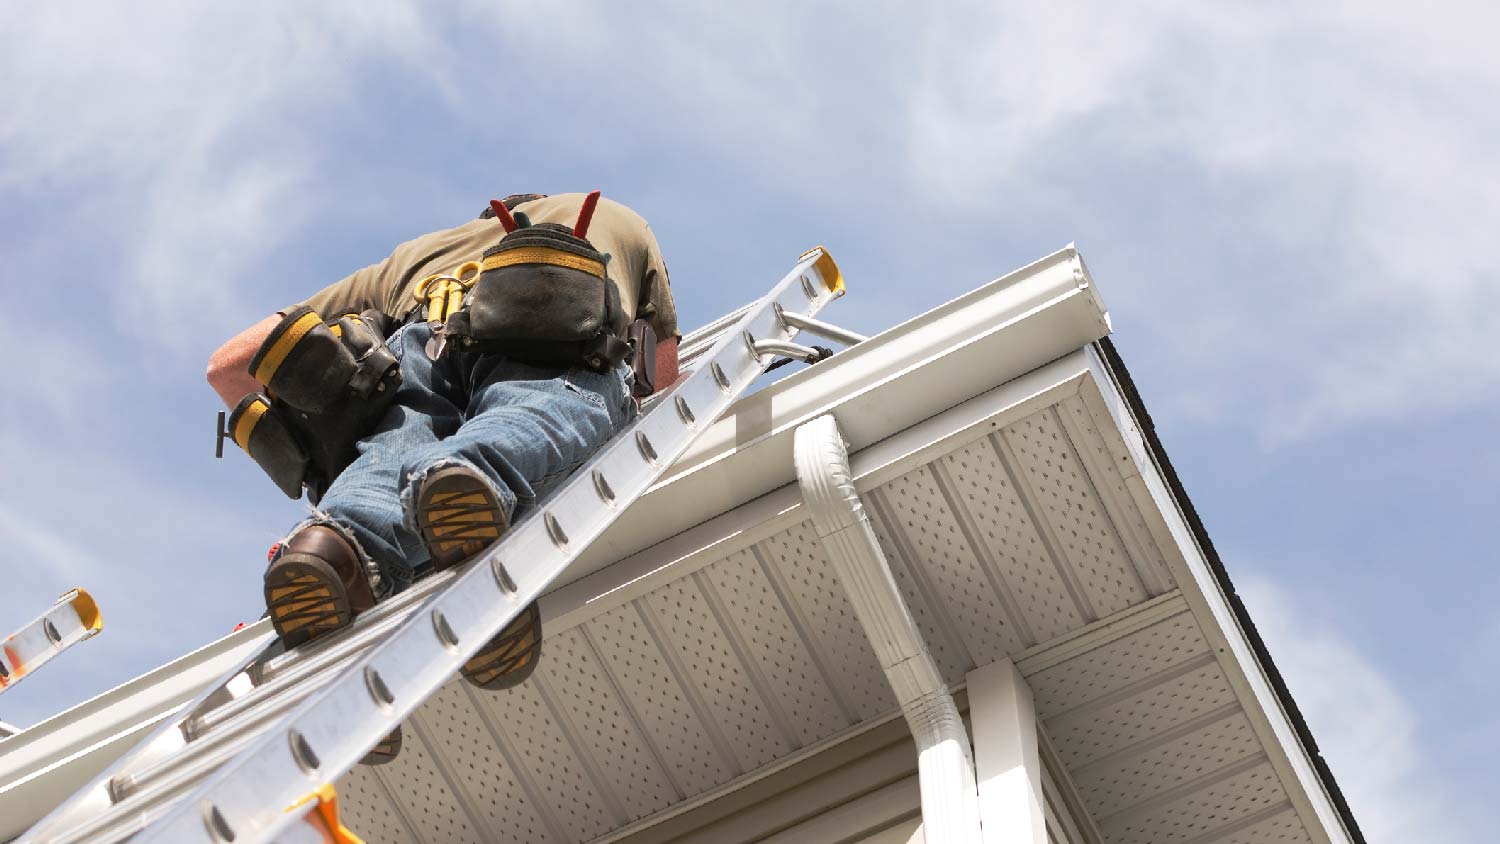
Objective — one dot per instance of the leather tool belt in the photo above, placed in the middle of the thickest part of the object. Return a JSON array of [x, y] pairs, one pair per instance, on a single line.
[[327, 385], [543, 297]]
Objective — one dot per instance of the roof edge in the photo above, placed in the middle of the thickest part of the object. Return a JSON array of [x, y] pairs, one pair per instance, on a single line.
[[1115, 366]]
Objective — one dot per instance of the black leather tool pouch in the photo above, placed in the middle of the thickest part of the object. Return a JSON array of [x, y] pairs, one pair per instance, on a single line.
[[312, 366], [543, 297], [303, 362], [329, 385], [267, 435], [376, 371], [300, 449]]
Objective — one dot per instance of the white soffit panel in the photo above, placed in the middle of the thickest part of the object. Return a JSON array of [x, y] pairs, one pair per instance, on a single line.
[[799, 688], [1250, 679], [669, 709], [1155, 740], [477, 759], [875, 389], [1145, 716]]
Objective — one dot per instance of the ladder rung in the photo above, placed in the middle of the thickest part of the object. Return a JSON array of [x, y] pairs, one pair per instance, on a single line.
[[349, 644], [265, 671], [152, 801], [827, 331], [130, 785]]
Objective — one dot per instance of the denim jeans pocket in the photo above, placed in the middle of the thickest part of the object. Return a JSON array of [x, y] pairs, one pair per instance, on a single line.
[[396, 342], [586, 385]]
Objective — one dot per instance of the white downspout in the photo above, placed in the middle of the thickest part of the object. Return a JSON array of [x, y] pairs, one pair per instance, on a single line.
[[945, 765]]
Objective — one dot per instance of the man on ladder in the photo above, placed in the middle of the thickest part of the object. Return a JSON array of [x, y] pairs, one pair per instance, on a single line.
[[521, 342]]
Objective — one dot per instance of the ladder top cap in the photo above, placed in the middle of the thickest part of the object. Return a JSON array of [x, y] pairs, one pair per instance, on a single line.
[[827, 269], [87, 609]]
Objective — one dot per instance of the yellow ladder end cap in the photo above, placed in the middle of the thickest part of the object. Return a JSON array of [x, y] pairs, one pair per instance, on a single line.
[[87, 609], [827, 268]]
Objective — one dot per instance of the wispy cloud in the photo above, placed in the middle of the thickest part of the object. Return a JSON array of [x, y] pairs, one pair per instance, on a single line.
[[179, 136], [42, 549], [1367, 730], [1345, 140]]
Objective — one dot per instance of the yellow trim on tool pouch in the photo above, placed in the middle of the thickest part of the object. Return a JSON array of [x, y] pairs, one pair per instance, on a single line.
[[284, 345], [828, 269], [542, 255], [247, 422]]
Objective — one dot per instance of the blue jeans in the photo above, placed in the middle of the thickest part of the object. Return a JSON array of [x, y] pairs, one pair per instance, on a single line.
[[525, 428]]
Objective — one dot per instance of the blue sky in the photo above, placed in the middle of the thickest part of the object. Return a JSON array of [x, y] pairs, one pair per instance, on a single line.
[[1288, 209]]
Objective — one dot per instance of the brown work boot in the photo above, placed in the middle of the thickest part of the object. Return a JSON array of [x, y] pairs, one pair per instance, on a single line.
[[316, 584], [459, 516], [385, 751]]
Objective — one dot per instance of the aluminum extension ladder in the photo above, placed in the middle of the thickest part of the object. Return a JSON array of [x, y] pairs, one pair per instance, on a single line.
[[74, 618], [251, 759]]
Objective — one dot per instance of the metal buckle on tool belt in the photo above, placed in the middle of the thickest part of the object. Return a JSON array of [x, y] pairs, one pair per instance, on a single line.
[[443, 294]]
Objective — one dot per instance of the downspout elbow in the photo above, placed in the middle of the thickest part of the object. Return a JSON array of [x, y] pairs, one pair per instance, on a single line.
[[945, 763]]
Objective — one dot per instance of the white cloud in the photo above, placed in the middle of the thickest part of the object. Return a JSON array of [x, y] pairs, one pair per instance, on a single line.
[[1368, 732], [1348, 137], [43, 550], [179, 131], [1346, 143]]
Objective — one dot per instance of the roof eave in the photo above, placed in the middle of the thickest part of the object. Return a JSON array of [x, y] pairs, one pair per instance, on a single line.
[[959, 350], [1113, 371]]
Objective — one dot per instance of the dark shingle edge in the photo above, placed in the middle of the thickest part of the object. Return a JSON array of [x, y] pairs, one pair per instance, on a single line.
[[1121, 376]]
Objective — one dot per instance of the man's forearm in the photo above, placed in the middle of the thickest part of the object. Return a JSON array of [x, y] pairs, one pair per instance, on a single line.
[[229, 367]]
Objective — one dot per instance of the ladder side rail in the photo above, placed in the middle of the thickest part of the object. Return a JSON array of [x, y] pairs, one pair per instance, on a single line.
[[326, 734], [95, 795], [703, 335], [72, 619], [174, 744], [698, 343]]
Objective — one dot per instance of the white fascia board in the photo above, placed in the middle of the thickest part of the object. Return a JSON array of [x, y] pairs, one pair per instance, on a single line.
[[874, 389], [1203, 592], [44, 764]]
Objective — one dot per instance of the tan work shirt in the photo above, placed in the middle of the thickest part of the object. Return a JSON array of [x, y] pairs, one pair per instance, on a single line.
[[635, 262]]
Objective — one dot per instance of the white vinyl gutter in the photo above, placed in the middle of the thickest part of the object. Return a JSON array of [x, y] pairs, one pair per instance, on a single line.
[[945, 765], [877, 388]]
